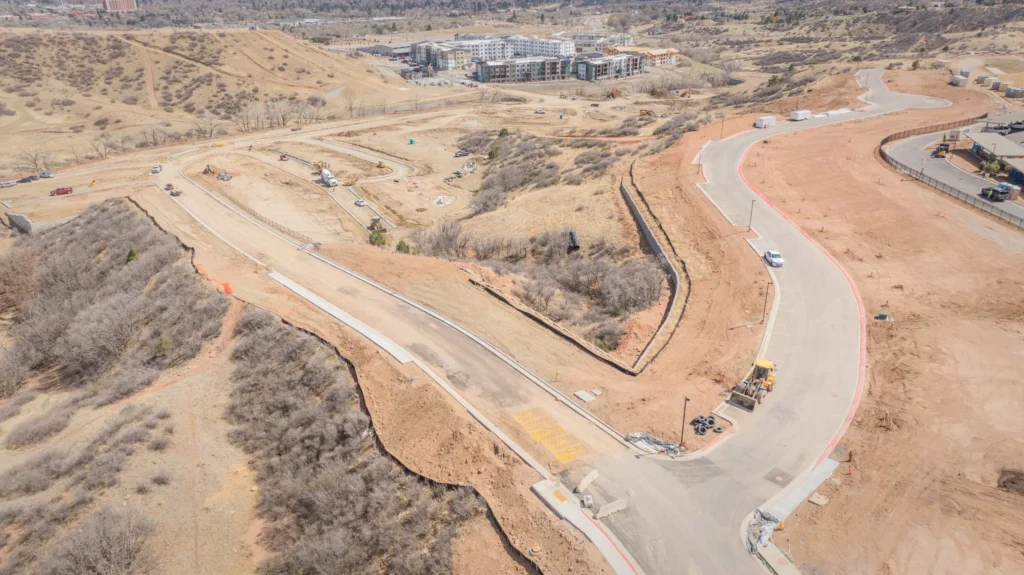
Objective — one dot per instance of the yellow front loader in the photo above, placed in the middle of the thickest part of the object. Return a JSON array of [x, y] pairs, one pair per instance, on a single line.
[[751, 391]]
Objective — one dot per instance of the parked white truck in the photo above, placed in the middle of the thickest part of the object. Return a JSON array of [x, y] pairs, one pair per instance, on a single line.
[[327, 178]]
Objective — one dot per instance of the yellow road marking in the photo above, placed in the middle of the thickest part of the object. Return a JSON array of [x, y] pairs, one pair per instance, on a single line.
[[545, 431]]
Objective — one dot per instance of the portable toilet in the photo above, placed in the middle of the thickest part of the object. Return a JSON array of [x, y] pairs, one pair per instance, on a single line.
[[411, 141]]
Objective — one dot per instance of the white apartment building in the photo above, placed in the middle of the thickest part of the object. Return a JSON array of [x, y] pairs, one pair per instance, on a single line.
[[527, 46], [487, 49], [595, 40]]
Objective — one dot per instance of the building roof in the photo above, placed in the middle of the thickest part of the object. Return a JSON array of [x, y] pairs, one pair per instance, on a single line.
[[999, 146], [1005, 118], [1015, 163], [647, 50]]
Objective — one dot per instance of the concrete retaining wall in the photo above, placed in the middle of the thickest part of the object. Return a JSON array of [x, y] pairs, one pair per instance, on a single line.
[[25, 225]]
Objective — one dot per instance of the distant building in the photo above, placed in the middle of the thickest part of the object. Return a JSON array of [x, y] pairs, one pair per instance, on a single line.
[[654, 56], [610, 67], [595, 40], [394, 50], [534, 46], [120, 5], [536, 69]]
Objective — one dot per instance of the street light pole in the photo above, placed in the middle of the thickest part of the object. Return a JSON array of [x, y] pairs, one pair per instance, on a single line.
[[682, 432], [751, 220], [722, 134]]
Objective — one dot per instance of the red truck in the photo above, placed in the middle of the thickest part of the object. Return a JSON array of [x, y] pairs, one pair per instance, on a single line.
[[62, 191]]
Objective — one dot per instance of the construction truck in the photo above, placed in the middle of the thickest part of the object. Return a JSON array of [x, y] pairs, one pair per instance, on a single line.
[[751, 391], [321, 165], [381, 165], [646, 113], [995, 194], [328, 178], [941, 152]]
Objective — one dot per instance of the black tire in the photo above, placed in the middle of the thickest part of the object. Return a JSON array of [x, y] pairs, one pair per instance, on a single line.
[[760, 396], [700, 430], [697, 420], [719, 429], [710, 421]]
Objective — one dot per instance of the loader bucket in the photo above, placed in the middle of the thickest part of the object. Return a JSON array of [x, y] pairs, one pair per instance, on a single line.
[[742, 400]]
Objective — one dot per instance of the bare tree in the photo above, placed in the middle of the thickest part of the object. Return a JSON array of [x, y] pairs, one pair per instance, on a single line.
[[101, 144], [351, 103], [315, 108], [208, 127], [280, 112], [35, 159]]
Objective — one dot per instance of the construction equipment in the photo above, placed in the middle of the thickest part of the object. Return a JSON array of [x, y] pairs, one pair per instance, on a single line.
[[381, 165], [995, 194], [751, 391], [208, 170], [941, 152], [349, 182], [321, 165], [613, 93], [377, 224], [646, 113], [283, 158]]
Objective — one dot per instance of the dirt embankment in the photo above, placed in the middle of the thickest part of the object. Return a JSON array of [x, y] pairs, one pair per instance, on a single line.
[[416, 422], [940, 421]]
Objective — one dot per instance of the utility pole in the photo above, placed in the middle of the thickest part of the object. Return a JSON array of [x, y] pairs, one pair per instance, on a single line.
[[682, 432], [722, 135], [764, 310], [751, 220]]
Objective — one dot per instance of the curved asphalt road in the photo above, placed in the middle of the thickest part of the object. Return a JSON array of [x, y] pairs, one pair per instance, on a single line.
[[912, 152], [686, 517]]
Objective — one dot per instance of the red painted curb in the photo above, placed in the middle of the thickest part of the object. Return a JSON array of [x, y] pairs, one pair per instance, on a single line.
[[860, 306]]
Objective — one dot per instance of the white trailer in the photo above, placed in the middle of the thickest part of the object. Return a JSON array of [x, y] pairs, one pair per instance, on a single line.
[[958, 81], [799, 115], [765, 122], [327, 178]]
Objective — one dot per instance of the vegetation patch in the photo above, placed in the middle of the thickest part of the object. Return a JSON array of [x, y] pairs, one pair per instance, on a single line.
[[334, 501]]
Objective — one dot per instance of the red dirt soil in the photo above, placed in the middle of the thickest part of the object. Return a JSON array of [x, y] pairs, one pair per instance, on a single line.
[[917, 491]]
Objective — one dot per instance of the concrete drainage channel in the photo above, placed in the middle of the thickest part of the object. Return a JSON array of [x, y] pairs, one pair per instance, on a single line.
[[556, 496]]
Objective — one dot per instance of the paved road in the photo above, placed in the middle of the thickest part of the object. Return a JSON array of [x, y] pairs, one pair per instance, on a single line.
[[912, 152], [686, 517]]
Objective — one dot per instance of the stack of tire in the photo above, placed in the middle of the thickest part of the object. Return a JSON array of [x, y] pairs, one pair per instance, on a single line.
[[705, 423]]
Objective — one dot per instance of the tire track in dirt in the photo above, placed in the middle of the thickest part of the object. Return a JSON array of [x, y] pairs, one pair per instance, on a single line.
[[150, 79]]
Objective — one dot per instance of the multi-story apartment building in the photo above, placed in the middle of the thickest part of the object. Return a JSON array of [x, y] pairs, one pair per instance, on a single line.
[[536, 69], [534, 46], [654, 56], [487, 49], [610, 67], [595, 41]]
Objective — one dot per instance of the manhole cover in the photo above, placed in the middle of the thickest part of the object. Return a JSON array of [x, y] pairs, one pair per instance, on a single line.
[[779, 477]]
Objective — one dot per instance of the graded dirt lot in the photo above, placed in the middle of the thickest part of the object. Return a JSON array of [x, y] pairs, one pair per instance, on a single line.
[[917, 490]]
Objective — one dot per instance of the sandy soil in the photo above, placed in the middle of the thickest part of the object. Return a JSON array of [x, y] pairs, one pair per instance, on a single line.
[[296, 203], [828, 93], [940, 421]]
